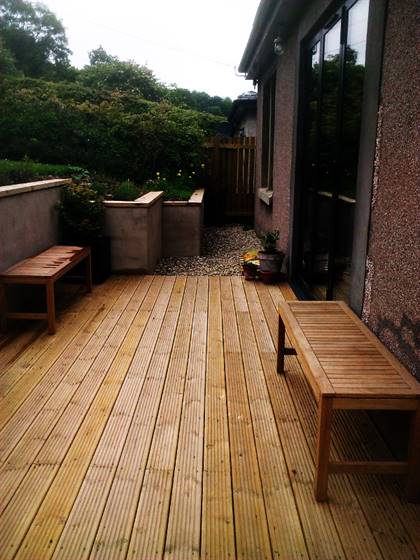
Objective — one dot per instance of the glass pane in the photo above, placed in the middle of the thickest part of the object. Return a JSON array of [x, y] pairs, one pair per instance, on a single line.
[[322, 202], [330, 85], [357, 30], [352, 105], [331, 145]]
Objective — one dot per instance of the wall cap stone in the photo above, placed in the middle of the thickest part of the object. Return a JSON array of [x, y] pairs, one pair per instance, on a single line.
[[195, 200], [145, 201], [21, 188]]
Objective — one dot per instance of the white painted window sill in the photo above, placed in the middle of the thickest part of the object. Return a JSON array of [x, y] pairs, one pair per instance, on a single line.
[[265, 195]]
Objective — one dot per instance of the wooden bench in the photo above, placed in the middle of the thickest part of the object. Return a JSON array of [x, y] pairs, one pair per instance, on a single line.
[[349, 368], [43, 269]]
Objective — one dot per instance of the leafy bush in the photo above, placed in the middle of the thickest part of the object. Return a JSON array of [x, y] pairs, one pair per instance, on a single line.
[[81, 212], [117, 134], [116, 75], [12, 172], [126, 190]]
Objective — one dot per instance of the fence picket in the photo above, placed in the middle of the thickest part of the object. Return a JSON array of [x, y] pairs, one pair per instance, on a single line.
[[229, 177]]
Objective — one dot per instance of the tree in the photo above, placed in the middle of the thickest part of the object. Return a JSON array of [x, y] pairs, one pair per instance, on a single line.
[[100, 56], [34, 38], [110, 73], [7, 61], [199, 101]]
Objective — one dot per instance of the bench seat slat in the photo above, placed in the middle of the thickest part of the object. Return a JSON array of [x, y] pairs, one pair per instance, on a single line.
[[349, 368]]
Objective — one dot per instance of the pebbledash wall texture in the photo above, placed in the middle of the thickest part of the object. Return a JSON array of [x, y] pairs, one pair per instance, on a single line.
[[392, 288], [392, 294]]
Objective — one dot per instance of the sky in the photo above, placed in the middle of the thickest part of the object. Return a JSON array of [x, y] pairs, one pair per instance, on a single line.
[[195, 44]]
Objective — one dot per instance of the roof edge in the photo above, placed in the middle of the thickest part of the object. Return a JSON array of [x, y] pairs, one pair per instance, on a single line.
[[273, 18]]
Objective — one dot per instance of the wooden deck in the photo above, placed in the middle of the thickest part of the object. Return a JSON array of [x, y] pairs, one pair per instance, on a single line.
[[153, 424]]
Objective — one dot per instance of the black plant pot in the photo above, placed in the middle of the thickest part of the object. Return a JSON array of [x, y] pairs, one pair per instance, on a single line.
[[100, 248], [101, 258]]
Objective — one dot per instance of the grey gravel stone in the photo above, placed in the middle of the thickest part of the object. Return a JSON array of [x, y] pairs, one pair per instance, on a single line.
[[222, 248]]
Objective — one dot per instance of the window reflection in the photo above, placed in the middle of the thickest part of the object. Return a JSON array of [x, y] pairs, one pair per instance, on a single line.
[[357, 28], [332, 131]]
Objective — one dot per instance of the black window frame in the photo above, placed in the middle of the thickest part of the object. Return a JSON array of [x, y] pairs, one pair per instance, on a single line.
[[339, 11], [268, 131]]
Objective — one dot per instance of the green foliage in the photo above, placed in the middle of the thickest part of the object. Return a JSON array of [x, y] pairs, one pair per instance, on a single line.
[[81, 212], [199, 101], [117, 134], [7, 61], [34, 38], [113, 117], [12, 172], [269, 241], [100, 56], [179, 186], [122, 76], [127, 190]]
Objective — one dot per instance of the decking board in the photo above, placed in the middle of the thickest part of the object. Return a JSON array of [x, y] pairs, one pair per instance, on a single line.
[[154, 424]]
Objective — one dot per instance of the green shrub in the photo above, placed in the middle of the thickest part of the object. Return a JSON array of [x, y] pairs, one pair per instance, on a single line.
[[126, 190], [81, 212], [176, 187], [113, 133], [12, 172]]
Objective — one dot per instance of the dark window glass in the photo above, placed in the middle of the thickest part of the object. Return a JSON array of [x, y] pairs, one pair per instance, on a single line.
[[269, 100], [333, 92]]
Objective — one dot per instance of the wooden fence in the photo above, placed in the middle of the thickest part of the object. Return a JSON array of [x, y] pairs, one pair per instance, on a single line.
[[229, 178]]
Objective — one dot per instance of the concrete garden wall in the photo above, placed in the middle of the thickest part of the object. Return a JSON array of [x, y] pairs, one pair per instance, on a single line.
[[141, 231], [28, 219], [182, 226], [136, 232], [144, 230]]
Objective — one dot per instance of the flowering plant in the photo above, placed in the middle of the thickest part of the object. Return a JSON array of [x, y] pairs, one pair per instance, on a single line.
[[176, 186]]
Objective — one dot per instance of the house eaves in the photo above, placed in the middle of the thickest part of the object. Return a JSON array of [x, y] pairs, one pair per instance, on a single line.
[[240, 107], [274, 18]]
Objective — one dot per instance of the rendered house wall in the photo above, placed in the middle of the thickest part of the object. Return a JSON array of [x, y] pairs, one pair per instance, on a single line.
[[392, 292], [391, 295]]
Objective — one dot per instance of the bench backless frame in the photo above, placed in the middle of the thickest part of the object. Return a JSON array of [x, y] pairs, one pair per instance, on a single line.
[[349, 368], [43, 269]]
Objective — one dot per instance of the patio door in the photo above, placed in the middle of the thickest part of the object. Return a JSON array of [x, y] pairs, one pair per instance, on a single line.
[[333, 86]]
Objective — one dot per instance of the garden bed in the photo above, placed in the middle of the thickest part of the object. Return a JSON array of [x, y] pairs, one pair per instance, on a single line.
[[140, 231], [145, 229]]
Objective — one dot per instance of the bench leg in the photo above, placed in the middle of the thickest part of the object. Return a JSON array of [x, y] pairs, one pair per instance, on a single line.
[[413, 478], [89, 273], [280, 347], [323, 449], [50, 307]]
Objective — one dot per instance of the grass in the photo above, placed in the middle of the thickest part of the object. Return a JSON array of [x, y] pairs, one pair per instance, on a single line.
[[173, 192], [14, 172]]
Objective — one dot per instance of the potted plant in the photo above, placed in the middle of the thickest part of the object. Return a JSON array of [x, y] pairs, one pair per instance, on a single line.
[[250, 264], [82, 218], [270, 258]]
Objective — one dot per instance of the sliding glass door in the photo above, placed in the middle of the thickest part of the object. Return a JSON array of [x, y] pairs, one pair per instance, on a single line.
[[334, 70]]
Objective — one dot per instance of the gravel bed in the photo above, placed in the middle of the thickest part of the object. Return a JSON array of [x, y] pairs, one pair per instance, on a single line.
[[222, 248]]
